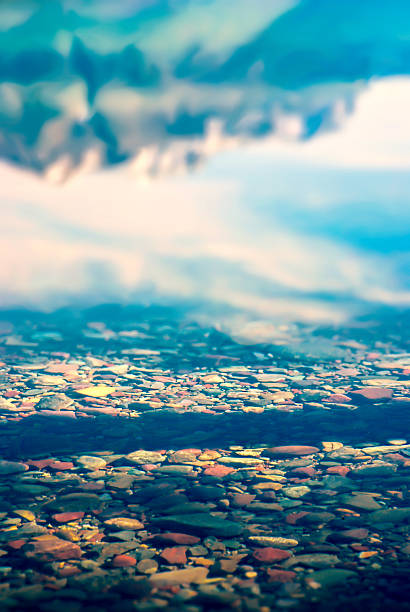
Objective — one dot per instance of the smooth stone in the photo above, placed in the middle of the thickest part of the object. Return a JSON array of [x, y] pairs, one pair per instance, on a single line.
[[335, 482], [12, 467], [360, 501], [192, 575], [66, 517], [206, 493], [264, 507], [147, 566], [30, 490], [240, 461], [218, 471], [122, 522], [91, 463], [280, 576], [381, 450], [348, 535], [185, 470], [328, 578], [377, 470], [296, 492], [316, 518], [186, 508], [294, 451], [270, 555], [273, 541], [177, 538], [124, 561], [391, 515], [50, 548], [202, 524], [372, 394], [76, 502], [57, 401], [176, 555], [315, 560], [142, 457]]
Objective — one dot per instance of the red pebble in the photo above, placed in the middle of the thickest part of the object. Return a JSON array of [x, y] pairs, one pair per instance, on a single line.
[[338, 398], [175, 555], [218, 471], [177, 538], [61, 465], [342, 470], [242, 499], [276, 575], [66, 517], [41, 464], [270, 555], [124, 561], [372, 394], [306, 471], [68, 570], [293, 517], [16, 544]]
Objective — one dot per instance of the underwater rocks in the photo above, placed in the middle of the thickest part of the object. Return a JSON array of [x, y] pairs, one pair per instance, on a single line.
[[151, 466], [193, 540]]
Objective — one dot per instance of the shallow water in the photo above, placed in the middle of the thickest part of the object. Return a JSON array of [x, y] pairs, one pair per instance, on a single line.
[[204, 349]]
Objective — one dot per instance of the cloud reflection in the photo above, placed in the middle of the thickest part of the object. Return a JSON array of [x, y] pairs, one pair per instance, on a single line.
[[301, 209]]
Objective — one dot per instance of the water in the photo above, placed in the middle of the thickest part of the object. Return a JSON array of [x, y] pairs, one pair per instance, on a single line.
[[204, 288]]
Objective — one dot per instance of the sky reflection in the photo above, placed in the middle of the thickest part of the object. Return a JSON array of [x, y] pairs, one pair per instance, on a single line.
[[256, 166]]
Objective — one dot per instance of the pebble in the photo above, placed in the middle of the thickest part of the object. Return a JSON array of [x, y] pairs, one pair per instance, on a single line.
[[194, 473]]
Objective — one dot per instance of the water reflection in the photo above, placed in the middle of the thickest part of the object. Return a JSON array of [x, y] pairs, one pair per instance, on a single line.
[[300, 210]]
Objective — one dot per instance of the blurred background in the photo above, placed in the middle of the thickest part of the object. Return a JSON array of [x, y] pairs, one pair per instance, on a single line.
[[248, 159]]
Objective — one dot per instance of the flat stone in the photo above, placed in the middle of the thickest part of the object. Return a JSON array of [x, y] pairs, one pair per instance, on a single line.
[[218, 471], [176, 555], [141, 457], [273, 541], [290, 451], [372, 394], [328, 578], [391, 515], [192, 575], [264, 507], [348, 535], [50, 548], [240, 461], [57, 401], [147, 566], [184, 470], [360, 502], [270, 555], [381, 450], [202, 524], [373, 471], [280, 576], [124, 561], [12, 467], [315, 560], [91, 463], [296, 492], [123, 522], [206, 493], [242, 499], [67, 517], [177, 538]]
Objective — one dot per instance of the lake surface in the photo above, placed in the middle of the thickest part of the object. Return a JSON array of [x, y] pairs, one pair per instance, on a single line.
[[204, 305]]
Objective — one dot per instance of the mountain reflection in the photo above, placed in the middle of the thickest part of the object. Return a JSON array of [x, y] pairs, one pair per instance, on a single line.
[[163, 84]]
